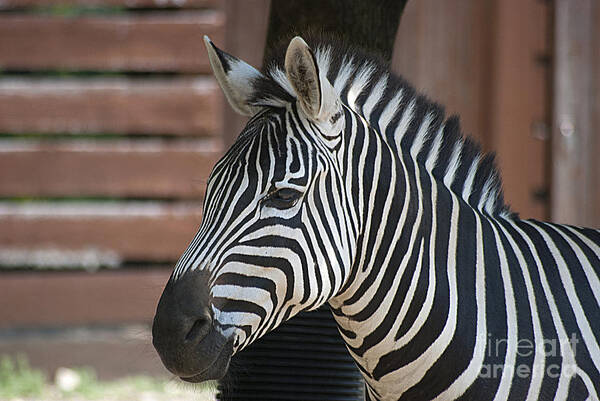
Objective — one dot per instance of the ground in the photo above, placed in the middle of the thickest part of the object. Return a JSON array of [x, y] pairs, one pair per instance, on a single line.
[[19, 382]]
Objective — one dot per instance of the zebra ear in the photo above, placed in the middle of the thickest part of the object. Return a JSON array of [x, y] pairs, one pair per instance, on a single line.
[[235, 78], [316, 96]]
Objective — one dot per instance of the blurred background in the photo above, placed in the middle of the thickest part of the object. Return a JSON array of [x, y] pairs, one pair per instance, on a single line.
[[110, 123]]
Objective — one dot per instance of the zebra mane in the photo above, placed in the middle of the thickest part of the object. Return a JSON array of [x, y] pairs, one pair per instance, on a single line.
[[385, 100]]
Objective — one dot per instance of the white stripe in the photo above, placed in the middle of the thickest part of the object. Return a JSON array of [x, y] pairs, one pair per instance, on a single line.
[[344, 74], [433, 155], [567, 281], [389, 112], [425, 310], [489, 196], [372, 355], [537, 373], [512, 327], [374, 97], [468, 184], [566, 351], [404, 123], [254, 295], [468, 376], [413, 372], [361, 79], [453, 164], [279, 76], [591, 276], [420, 137], [323, 56]]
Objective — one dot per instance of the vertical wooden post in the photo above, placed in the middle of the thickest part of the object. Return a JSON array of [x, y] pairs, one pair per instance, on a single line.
[[245, 34], [487, 62], [576, 124], [443, 49], [520, 107]]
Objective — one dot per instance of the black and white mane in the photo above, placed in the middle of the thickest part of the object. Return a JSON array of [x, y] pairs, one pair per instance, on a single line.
[[366, 85]]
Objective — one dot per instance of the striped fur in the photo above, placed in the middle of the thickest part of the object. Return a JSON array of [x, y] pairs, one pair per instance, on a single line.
[[439, 291]]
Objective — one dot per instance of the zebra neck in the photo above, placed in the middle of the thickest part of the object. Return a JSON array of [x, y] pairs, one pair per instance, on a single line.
[[389, 294], [385, 315], [411, 124], [421, 308]]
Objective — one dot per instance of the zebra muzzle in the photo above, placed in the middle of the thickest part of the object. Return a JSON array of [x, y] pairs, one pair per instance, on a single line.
[[184, 333]]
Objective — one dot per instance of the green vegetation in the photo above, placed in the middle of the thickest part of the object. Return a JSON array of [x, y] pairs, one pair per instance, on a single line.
[[18, 379]]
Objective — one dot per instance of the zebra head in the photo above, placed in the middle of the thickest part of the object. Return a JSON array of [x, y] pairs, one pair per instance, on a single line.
[[275, 234]]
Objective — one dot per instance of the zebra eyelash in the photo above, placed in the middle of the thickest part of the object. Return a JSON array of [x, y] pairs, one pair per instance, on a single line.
[[281, 198]]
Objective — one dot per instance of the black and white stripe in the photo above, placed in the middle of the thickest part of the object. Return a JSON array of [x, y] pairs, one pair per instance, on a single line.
[[439, 291]]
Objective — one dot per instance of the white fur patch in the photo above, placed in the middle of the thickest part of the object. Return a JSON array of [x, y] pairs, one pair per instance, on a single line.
[[358, 84], [375, 96], [453, 164]]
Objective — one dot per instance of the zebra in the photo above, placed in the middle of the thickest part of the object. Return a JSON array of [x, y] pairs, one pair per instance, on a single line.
[[348, 187]]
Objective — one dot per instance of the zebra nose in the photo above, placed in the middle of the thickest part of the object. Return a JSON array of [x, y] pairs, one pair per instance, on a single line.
[[182, 321], [199, 329]]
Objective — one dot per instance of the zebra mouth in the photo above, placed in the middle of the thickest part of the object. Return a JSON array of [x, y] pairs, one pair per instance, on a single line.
[[217, 369]]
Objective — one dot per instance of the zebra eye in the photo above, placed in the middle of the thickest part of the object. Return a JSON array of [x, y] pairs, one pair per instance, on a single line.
[[283, 198]]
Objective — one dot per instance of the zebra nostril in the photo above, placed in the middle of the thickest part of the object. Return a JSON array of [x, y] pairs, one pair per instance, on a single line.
[[199, 330]]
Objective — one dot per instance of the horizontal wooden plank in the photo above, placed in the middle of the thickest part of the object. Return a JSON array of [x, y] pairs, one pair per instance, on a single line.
[[123, 42], [12, 4], [111, 356], [130, 169], [122, 231], [178, 106], [79, 298]]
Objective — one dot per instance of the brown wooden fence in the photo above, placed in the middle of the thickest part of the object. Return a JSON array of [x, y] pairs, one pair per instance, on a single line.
[[109, 126], [489, 62]]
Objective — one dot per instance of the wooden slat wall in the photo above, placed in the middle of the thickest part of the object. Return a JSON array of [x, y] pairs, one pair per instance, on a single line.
[[576, 122], [130, 169], [485, 60], [118, 105], [110, 123], [160, 41], [106, 297], [12, 4], [59, 301], [133, 231], [520, 106], [443, 49], [112, 356]]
